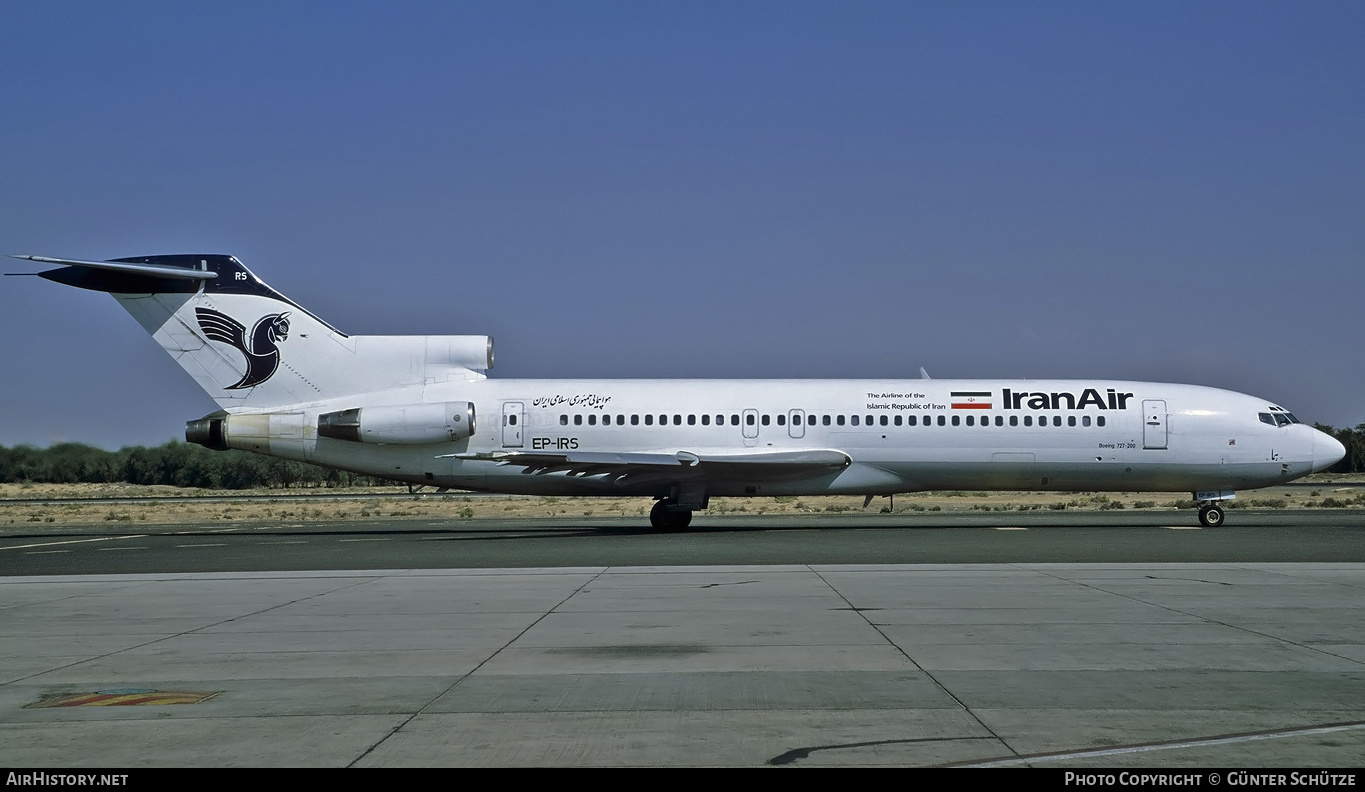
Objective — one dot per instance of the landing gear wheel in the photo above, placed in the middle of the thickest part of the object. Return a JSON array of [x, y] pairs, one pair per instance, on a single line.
[[664, 520], [1210, 516]]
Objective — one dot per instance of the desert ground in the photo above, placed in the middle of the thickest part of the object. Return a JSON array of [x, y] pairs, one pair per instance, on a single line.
[[71, 504]]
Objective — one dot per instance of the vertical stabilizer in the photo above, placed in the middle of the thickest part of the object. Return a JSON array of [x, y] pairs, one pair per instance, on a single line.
[[251, 348]]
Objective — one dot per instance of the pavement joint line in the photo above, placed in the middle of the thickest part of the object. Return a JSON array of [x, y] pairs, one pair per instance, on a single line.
[[1197, 742], [600, 572], [928, 674], [75, 541], [159, 639], [1209, 620]]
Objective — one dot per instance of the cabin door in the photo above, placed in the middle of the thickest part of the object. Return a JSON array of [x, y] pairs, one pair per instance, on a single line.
[[749, 426], [513, 424], [1153, 423], [796, 423]]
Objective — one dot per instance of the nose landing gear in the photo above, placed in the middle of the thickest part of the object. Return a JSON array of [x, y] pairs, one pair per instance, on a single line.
[[1210, 515]]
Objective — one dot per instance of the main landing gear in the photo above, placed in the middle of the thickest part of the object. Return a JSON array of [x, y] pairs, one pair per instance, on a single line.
[[1210, 515], [667, 516]]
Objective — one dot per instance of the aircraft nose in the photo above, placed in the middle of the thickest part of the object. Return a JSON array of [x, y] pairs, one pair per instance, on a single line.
[[1327, 451]]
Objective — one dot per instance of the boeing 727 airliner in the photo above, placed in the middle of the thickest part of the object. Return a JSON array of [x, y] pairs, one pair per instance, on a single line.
[[421, 409]]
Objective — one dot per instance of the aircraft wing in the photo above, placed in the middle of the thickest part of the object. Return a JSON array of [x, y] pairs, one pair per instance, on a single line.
[[756, 466]]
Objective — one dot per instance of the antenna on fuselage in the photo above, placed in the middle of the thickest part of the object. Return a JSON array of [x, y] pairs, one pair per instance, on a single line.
[[923, 374]]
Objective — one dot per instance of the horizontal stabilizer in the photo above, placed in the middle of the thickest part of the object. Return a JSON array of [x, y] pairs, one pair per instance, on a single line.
[[153, 270]]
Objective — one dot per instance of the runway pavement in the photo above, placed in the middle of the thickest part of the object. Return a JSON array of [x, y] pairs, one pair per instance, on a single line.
[[964, 537], [1145, 644]]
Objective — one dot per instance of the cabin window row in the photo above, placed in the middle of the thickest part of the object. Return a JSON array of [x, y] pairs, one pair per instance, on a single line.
[[828, 420]]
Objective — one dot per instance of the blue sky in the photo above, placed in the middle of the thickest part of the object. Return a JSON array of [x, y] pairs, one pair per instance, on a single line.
[[1158, 191]]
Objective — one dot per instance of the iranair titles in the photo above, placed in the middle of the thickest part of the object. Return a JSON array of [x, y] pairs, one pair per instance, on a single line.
[[1010, 399]]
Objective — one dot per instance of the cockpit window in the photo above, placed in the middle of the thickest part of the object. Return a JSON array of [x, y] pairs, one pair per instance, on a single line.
[[1280, 416], [1266, 419], [1280, 419]]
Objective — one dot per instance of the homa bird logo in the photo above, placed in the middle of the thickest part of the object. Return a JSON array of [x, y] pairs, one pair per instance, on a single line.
[[262, 356]]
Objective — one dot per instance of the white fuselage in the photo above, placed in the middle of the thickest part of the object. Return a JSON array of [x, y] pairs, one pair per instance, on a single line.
[[900, 435]]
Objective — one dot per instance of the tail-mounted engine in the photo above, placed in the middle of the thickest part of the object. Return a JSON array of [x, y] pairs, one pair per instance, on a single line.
[[287, 434], [404, 424]]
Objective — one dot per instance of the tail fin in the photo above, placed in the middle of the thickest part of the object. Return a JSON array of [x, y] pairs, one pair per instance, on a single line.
[[251, 348]]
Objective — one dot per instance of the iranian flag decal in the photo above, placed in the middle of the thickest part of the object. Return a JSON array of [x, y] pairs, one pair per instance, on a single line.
[[971, 400]]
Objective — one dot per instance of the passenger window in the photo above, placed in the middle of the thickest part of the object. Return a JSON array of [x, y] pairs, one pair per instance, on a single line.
[[957, 419], [649, 420], [1056, 420], [1028, 420], [512, 420], [691, 420], [898, 420], [706, 420], [563, 420], [941, 420], [1071, 420], [749, 420], [839, 419], [677, 420], [810, 420], [825, 420], [999, 420], [634, 420], [854, 420], [781, 420], [1085, 420], [911, 420], [592, 420], [1014, 420], [734, 420], [1099, 420], [971, 420], [764, 420], [578, 420]]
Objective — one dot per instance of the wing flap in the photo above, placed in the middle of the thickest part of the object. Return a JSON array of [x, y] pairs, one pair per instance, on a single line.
[[761, 466]]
